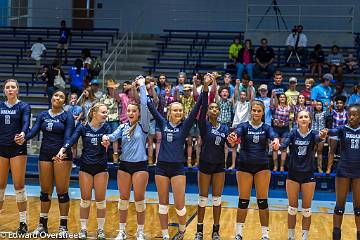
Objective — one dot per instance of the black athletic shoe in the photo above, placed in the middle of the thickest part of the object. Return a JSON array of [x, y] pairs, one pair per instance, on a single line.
[[336, 234], [23, 229]]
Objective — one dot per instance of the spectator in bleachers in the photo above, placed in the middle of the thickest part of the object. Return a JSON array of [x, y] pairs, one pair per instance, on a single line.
[[296, 42], [150, 88], [234, 49], [317, 60], [263, 92], [292, 94], [37, 52], [309, 82], [355, 96], [161, 84], [77, 75], [87, 100], [180, 83], [197, 81], [49, 75], [300, 106], [322, 92], [245, 60], [95, 87], [241, 105], [277, 85], [264, 59], [339, 90], [87, 63], [227, 84], [113, 114], [335, 61], [339, 116], [351, 64], [127, 95], [247, 86], [63, 42]]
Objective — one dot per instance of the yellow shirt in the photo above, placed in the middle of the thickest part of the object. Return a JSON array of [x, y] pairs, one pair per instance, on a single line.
[[234, 50], [292, 96]]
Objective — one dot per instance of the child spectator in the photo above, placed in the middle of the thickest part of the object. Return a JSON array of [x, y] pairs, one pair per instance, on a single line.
[[335, 61], [355, 96], [309, 82], [339, 116], [234, 49], [63, 42], [317, 60], [263, 91], [227, 84], [351, 64], [277, 85], [77, 75], [37, 51], [245, 60]]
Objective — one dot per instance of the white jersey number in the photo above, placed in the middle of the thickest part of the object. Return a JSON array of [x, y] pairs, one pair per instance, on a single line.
[[7, 119], [302, 150], [355, 143]]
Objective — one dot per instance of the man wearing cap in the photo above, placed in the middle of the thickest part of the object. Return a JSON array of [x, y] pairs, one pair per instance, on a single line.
[[322, 92], [94, 84], [263, 91], [291, 94]]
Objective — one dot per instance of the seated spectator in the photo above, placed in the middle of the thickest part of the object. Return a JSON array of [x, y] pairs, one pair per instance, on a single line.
[[245, 60], [322, 92], [77, 75], [296, 42], [351, 64], [317, 60], [335, 60], [94, 84], [309, 82], [264, 59], [339, 90], [37, 51], [355, 96], [234, 49], [277, 85]]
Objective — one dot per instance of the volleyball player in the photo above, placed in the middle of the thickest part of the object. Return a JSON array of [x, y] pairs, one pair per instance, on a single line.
[[301, 171], [93, 166], [254, 167], [133, 163], [14, 123], [170, 165], [57, 127], [348, 169]]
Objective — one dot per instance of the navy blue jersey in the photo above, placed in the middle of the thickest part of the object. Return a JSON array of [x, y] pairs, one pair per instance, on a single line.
[[173, 137], [302, 152], [13, 120], [92, 151], [350, 149], [57, 129], [213, 138], [254, 142]]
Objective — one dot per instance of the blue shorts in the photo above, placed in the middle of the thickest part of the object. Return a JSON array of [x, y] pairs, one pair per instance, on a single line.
[[211, 168], [152, 127], [301, 177], [93, 169], [169, 169], [133, 167], [281, 131], [252, 168], [346, 171], [13, 151], [46, 155], [113, 125]]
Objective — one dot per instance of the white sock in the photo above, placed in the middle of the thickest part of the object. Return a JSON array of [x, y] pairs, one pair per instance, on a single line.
[[140, 228], [165, 233], [22, 216], [239, 228], [122, 226], [182, 228], [305, 234], [291, 233], [44, 215], [265, 231], [101, 223], [83, 223]]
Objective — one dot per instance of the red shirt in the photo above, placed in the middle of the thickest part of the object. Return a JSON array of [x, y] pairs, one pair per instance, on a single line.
[[307, 95], [246, 57]]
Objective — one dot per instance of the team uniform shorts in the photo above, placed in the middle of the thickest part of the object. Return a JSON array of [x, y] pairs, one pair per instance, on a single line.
[[133, 167], [252, 168], [211, 168], [13, 151], [169, 169]]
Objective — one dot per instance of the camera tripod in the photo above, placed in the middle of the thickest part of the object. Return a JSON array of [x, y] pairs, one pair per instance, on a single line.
[[293, 52], [277, 11]]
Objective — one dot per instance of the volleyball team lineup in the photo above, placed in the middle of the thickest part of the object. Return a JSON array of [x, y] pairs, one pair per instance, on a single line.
[[252, 136]]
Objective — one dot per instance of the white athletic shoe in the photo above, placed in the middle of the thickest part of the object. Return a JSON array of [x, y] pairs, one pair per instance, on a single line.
[[121, 236], [140, 235]]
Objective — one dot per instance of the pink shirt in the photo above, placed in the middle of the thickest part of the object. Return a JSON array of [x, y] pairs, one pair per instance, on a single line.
[[246, 57]]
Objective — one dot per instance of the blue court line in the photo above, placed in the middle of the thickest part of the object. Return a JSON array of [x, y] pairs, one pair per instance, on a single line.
[[228, 201]]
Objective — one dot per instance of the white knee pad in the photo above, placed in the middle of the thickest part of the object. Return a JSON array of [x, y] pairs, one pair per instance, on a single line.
[[292, 210], [20, 195], [181, 212], [216, 201], [2, 195], [163, 209], [123, 204], [140, 206], [202, 201], [306, 212], [101, 204], [85, 203]]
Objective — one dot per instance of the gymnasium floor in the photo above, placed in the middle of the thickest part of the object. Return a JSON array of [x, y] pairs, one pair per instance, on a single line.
[[321, 220]]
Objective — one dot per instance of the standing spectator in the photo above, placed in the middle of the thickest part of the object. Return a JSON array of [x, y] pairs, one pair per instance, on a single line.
[[317, 60], [245, 86], [197, 81], [351, 64], [87, 63], [160, 87], [355, 96], [64, 41], [277, 85], [227, 84], [322, 92], [245, 60], [339, 90], [87, 100], [234, 49], [241, 107], [37, 51], [150, 88], [263, 91], [94, 84], [128, 94], [291, 94], [296, 42], [49, 75], [77, 75], [264, 58], [309, 82], [180, 83], [335, 61]]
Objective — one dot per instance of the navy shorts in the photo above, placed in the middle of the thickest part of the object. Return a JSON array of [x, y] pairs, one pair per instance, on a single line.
[[93, 169], [13, 151], [281, 131], [301, 177], [211, 168], [169, 169], [46, 155], [346, 171], [252, 168], [133, 167]]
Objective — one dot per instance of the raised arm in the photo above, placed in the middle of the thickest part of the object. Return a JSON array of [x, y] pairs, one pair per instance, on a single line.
[[236, 91], [188, 122], [144, 111], [204, 107], [158, 117]]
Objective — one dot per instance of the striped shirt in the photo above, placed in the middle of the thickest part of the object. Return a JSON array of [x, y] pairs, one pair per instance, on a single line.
[[339, 118], [281, 116]]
